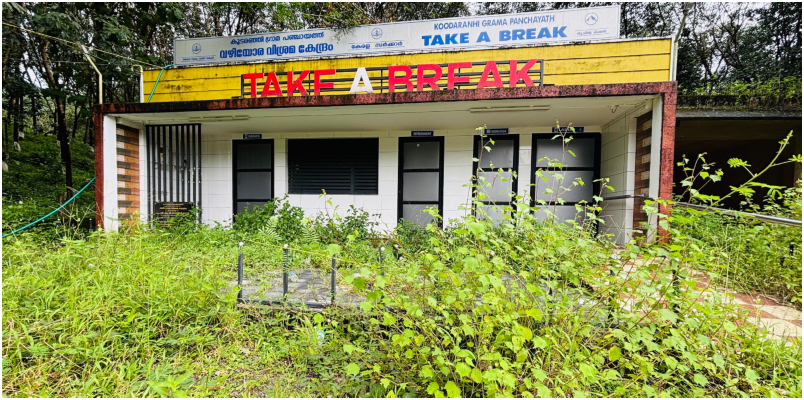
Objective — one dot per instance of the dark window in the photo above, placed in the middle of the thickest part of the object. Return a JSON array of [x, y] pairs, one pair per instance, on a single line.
[[499, 186], [421, 178], [339, 166], [585, 164], [253, 173]]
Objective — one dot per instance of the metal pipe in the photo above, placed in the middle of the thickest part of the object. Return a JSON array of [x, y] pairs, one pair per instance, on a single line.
[[333, 280], [240, 273], [733, 213], [100, 76], [142, 91], [285, 273]]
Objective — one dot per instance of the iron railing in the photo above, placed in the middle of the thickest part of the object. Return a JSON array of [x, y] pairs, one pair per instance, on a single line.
[[725, 211]]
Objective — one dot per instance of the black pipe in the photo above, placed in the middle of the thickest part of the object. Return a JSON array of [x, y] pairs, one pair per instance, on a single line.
[[333, 280], [240, 273], [285, 274]]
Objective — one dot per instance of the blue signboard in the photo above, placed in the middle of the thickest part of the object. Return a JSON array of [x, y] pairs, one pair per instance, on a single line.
[[421, 133], [484, 31], [252, 136]]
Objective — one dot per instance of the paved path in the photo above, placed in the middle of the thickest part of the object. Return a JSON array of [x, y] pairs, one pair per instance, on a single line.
[[781, 321], [308, 285], [314, 285]]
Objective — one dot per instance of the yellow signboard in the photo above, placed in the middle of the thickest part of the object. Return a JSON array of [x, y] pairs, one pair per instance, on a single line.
[[631, 61]]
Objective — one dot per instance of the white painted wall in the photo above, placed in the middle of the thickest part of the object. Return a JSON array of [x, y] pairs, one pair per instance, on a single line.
[[110, 173], [458, 146], [618, 163]]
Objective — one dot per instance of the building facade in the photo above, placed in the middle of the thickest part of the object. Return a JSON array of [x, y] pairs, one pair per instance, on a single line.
[[395, 132]]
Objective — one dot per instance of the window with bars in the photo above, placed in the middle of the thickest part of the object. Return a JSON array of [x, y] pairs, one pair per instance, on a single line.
[[338, 166], [585, 164], [499, 185]]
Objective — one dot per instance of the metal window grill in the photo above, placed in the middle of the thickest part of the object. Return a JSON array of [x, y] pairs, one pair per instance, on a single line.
[[173, 155]]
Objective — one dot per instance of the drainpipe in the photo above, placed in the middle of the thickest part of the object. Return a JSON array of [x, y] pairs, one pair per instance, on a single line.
[[674, 57], [142, 94], [100, 77]]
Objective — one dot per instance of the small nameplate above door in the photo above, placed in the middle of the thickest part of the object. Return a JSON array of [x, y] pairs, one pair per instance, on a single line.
[[578, 129], [421, 133], [497, 131], [252, 136]]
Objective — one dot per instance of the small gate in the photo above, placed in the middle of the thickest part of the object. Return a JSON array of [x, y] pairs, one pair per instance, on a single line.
[[173, 154]]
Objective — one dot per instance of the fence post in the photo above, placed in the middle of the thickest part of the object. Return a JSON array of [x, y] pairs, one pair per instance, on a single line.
[[382, 267], [333, 280], [676, 286], [612, 300], [285, 273], [789, 254], [240, 273]]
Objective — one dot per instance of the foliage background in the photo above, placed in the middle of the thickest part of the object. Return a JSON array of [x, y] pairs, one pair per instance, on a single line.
[[49, 88]]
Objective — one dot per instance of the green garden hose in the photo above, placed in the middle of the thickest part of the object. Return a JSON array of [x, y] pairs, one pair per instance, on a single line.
[[157, 81], [51, 213]]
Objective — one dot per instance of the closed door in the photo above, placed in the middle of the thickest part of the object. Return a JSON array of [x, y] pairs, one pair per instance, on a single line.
[[579, 159], [253, 172], [421, 177]]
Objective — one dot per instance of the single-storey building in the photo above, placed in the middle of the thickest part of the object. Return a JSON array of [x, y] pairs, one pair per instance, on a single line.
[[384, 118]]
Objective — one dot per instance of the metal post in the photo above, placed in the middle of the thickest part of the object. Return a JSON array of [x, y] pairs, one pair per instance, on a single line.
[[790, 254], [240, 273], [382, 267], [100, 77], [676, 286], [285, 273], [333, 280]]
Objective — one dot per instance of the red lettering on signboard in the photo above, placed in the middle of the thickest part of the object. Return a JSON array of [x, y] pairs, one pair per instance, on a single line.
[[491, 68], [432, 81], [252, 78], [297, 84], [317, 85], [451, 78], [393, 79], [271, 80], [515, 76], [427, 75]]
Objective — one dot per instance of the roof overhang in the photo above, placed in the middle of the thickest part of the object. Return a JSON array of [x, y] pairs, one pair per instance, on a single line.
[[531, 92]]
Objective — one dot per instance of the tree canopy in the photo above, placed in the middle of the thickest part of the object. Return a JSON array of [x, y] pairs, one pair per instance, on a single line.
[[49, 87]]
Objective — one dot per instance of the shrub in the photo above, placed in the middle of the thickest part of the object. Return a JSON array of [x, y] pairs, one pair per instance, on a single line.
[[288, 225], [357, 225], [532, 310]]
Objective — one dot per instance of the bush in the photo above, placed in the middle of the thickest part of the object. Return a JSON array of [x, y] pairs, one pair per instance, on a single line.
[[356, 225], [457, 319], [287, 226]]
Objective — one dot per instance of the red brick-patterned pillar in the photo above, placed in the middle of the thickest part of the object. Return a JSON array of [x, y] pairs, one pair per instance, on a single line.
[[128, 172], [642, 168], [668, 150]]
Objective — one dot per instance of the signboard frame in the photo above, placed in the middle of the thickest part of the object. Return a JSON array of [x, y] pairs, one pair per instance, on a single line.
[[460, 33]]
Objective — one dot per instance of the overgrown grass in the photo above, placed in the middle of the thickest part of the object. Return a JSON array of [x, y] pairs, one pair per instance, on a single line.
[[481, 310], [745, 255], [518, 307]]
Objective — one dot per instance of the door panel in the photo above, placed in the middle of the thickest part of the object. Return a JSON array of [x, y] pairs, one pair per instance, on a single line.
[[421, 178], [253, 173]]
